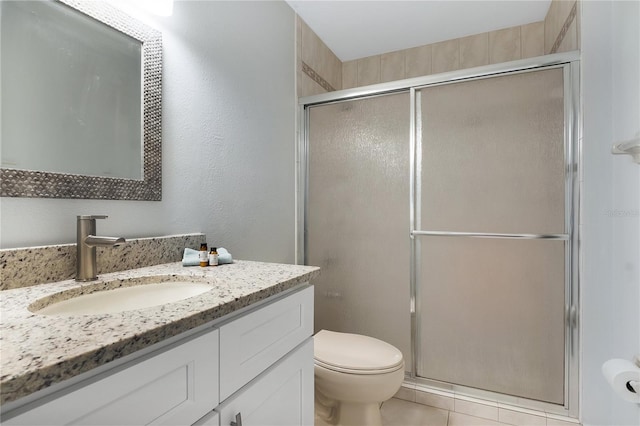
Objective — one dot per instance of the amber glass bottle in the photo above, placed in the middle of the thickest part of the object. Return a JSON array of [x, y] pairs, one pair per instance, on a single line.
[[213, 256], [204, 258]]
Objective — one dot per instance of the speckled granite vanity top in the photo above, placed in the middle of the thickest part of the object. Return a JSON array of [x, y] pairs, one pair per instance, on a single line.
[[39, 350]]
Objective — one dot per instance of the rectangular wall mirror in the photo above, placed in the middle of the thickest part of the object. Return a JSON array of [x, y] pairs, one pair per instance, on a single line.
[[81, 102]]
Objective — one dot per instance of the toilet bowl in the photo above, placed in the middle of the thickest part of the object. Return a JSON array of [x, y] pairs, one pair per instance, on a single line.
[[354, 374]]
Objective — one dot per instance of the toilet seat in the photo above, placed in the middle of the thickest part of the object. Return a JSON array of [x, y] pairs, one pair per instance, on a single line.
[[355, 354], [357, 371]]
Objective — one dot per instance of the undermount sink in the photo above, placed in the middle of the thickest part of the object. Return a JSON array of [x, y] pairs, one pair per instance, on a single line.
[[132, 294]]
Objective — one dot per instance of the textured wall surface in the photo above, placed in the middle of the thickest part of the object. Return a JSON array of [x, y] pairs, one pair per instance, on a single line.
[[610, 280], [228, 140]]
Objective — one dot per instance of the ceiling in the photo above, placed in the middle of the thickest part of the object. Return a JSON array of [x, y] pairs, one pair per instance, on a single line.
[[356, 29]]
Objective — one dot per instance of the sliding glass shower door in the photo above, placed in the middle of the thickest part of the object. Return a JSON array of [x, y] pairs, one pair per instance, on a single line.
[[357, 217], [491, 234], [442, 215]]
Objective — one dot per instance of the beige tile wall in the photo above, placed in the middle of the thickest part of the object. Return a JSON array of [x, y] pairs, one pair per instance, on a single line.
[[392, 66], [417, 62], [561, 26], [530, 39], [319, 70], [570, 41], [474, 50], [504, 45]]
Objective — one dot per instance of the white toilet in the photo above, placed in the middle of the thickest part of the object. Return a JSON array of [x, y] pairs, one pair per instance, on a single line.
[[354, 374]]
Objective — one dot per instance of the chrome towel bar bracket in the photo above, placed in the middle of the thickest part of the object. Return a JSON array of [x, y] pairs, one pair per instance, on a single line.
[[630, 147]]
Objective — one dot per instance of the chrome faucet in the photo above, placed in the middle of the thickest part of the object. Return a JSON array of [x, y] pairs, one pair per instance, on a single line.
[[87, 242]]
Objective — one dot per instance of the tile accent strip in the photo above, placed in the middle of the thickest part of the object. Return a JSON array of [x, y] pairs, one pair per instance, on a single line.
[[565, 28], [316, 77], [24, 267]]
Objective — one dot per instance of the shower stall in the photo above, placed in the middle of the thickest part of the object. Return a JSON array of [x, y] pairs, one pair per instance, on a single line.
[[442, 211]]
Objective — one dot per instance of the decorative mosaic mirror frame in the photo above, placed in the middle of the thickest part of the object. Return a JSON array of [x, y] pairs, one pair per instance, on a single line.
[[37, 184]]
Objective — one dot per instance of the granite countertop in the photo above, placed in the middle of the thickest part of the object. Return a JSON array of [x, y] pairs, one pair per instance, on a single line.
[[38, 350]]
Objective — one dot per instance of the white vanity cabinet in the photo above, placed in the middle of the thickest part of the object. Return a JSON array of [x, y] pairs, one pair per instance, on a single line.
[[266, 365], [255, 368], [281, 396], [170, 388]]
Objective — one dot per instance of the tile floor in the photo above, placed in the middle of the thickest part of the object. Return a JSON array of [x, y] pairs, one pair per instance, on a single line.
[[462, 410], [397, 412], [412, 407]]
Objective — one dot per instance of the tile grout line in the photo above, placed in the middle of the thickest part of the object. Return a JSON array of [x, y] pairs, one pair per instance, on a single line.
[[504, 406]]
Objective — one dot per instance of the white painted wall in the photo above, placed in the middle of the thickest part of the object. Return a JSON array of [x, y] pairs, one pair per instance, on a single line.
[[611, 204], [228, 140]]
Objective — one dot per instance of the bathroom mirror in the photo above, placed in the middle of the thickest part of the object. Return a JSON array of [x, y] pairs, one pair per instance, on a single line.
[[81, 102]]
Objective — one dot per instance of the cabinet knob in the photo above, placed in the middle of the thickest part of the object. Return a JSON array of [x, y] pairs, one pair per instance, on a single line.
[[238, 421]]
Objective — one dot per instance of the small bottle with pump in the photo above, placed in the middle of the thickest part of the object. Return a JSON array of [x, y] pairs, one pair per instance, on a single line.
[[204, 261], [213, 257]]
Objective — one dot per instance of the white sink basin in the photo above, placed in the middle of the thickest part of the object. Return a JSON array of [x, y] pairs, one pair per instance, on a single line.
[[134, 297]]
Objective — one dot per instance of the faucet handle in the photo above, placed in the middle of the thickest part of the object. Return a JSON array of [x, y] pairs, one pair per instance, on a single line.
[[92, 217]]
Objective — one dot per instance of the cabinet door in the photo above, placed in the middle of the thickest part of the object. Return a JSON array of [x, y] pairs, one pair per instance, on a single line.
[[281, 396], [253, 342], [177, 386]]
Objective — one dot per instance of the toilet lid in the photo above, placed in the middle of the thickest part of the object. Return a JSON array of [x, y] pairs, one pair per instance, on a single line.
[[355, 353]]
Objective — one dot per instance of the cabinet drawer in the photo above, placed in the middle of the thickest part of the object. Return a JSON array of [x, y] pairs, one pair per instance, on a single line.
[[281, 396], [177, 386], [250, 344]]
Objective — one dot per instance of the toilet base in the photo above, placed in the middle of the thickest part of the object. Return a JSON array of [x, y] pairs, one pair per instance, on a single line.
[[348, 414]]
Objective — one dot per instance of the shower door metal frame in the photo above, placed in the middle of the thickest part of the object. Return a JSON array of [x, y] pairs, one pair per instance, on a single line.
[[569, 62]]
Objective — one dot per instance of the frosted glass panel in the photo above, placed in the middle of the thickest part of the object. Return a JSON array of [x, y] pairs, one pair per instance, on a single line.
[[491, 311], [493, 155], [358, 217], [492, 315]]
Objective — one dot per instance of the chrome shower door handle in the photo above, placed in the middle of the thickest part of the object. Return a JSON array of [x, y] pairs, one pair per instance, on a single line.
[[238, 421]]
